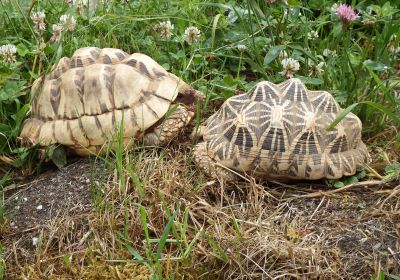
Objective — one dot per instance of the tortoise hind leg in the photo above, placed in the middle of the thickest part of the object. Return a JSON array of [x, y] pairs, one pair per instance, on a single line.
[[169, 128], [209, 165]]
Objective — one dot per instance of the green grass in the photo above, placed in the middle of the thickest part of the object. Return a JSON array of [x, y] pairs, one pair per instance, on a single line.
[[363, 71], [360, 71]]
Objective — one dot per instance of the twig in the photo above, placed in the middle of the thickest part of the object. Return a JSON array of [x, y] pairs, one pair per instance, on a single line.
[[394, 192], [316, 209], [358, 184], [394, 255], [23, 231]]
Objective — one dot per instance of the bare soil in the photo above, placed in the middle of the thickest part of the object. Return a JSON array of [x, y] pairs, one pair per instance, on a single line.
[[53, 199]]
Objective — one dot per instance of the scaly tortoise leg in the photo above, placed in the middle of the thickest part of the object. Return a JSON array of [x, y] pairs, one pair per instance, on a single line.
[[170, 127], [209, 165]]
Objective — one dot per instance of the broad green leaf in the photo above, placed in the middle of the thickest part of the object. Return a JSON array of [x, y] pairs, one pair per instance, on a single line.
[[294, 3], [19, 117], [376, 66], [301, 49], [361, 174], [22, 49], [394, 277], [166, 66], [350, 180], [338, 184], [311, 81], [58, 156], [272, 54]]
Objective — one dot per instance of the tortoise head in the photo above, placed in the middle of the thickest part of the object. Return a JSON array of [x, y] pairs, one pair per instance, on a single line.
[[189, 97]]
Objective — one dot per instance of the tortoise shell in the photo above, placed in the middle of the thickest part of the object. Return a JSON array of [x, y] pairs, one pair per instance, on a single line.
[[279, 131], [83, 101]]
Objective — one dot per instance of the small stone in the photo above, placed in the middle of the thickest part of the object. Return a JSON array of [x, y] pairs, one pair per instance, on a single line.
[[35, 241], [40, 207], [376, 246], [25, 199]]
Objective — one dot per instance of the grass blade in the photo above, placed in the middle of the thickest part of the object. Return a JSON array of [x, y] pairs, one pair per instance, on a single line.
[[378, 106], [165, 233], [221, 252], [214, 27], [341, 116]]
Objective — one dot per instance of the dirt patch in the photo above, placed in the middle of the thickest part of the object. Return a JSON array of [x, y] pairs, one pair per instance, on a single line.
[[47, 203]]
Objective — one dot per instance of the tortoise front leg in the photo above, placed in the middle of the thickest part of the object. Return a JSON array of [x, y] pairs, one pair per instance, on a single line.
[[169, 128], [209, 165]]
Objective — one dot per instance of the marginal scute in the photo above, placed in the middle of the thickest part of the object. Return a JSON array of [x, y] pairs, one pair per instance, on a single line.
[[279, 131]]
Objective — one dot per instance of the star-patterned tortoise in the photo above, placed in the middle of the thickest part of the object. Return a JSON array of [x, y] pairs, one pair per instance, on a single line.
[[279, 132], [81, 103]]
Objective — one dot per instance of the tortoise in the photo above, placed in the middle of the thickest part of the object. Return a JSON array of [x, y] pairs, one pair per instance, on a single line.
[[278, 131], [87, 97]]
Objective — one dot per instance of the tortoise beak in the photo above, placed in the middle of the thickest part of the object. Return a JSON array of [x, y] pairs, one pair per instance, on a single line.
[[199, 95]]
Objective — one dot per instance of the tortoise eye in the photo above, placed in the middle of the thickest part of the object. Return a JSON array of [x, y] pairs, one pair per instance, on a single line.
[[186, 99]]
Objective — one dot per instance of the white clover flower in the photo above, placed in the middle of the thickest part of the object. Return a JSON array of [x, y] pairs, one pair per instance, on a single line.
[[392, 45], [8, 53], [37, 16], [68, 21], [165, 29], [192, 34], [71, 24], [38, 19], [316, 70], [63, 19], [57, 29], [328, 52], [241, 47], [312, 35], [290, 66]]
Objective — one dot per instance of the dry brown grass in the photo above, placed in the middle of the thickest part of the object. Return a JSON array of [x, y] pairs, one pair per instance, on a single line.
[[239, 231]]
